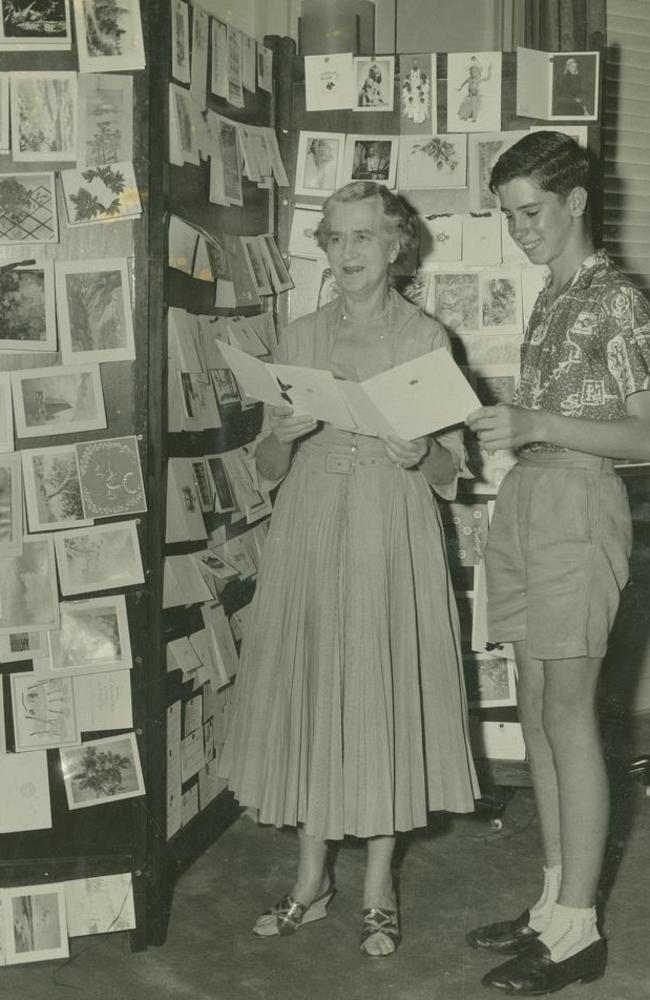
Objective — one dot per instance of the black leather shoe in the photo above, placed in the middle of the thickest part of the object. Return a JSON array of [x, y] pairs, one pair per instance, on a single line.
[[508, 937], [532, 973]]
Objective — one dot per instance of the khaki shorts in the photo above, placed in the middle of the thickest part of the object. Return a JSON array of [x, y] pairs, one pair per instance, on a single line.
[[557, 555]]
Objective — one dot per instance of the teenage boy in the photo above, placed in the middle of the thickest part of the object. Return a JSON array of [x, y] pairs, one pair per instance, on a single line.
[[559, 543]]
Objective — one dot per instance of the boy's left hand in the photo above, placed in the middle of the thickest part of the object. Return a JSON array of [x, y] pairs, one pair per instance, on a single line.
[[503, 426]]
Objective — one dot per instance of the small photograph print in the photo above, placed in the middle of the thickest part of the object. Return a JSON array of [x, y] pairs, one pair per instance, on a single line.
[[43, 712], [28, 209], [35, 24], [94, 310], [371, 158], [52, 488], [104, 770], [180, 41], [106, 193], [109, 35], [473, 91], [320, 163], [104, 557], [418, 110], [23, 646], [374, 77], [11, 505], [111, 477], [28, 592], [93, 637], [494, 384], [223, 498], [501, 304], [58, 400], [225, 386], [6, 414], [432, 161], [35, 928], [105, 119], [27, 313], [456, 300], [203, 483], [575, 85], [43, 116], [490, 681]]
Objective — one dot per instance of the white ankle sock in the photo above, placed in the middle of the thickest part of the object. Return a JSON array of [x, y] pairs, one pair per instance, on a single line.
[[540, 913], [569, 931]]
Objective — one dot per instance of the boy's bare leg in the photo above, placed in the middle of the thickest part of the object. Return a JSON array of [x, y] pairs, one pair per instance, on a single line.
[[571, 726]]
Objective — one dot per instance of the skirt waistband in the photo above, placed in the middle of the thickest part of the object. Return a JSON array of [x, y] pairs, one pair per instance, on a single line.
[[342, 462], [566, 459]]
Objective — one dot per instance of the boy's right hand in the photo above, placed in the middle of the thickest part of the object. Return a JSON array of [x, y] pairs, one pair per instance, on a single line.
[[288, 426]]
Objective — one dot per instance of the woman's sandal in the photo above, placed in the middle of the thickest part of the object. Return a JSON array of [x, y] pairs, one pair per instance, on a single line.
[[379, 922], [289, 914]]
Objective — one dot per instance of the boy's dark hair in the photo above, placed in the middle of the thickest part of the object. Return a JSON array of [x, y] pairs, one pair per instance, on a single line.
[[551, 160]]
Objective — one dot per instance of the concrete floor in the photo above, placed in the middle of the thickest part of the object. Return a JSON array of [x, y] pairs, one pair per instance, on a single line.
[[459, 873]]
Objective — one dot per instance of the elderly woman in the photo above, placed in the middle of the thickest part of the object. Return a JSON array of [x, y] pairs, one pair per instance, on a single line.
[[349, 715]]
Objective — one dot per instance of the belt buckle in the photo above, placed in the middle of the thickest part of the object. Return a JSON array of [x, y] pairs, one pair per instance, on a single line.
[[343, 464]]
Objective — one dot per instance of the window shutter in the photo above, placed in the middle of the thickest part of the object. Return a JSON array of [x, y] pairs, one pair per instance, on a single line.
[[626, 134]]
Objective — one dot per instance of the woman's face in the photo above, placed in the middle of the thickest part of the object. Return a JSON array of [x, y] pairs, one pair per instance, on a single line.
[[571, 66], [358, 248]]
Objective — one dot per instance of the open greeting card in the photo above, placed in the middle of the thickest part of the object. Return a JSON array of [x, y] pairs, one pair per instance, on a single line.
[[413, 399]]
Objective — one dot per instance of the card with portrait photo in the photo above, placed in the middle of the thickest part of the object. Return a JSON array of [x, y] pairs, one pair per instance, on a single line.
[[374, 83]]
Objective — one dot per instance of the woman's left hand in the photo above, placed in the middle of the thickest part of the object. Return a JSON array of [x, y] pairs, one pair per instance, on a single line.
[[407, 454]]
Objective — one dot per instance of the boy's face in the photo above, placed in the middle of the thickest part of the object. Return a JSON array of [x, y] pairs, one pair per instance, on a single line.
[[541, 222]]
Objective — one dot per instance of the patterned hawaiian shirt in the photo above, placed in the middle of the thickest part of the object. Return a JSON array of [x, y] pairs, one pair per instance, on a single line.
[[587, 351]]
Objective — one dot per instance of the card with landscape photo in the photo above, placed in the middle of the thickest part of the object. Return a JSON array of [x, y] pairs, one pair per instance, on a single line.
[[104, 770], [28, 209], [58, 400], [494, 384], [104, 557], [94, 311], [34, 923], [29, 25], [29, 599], [43, 712], [27, 313], [11, 505], [93, 637], [109, 35], [371, 158], [111, 477], [107, 193], [6, 414], [43, 116], [105, 125], [52, 488]]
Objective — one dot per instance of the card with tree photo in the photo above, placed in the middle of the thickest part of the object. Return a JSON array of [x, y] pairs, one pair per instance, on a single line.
[[109, 35], [43, 116], [94, 311], [105, 127], [104, 770], [58, 400], [52, 488], [27, 310], [104, 557]]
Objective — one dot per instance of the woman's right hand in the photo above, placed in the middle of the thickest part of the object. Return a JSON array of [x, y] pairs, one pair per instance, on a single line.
[[288, 426]]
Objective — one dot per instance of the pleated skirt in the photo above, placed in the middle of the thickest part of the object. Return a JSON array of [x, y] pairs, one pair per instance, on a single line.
[[349, 712]]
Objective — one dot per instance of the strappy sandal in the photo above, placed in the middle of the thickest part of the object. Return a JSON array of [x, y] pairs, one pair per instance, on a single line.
[[377, 921], [289, 914]]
